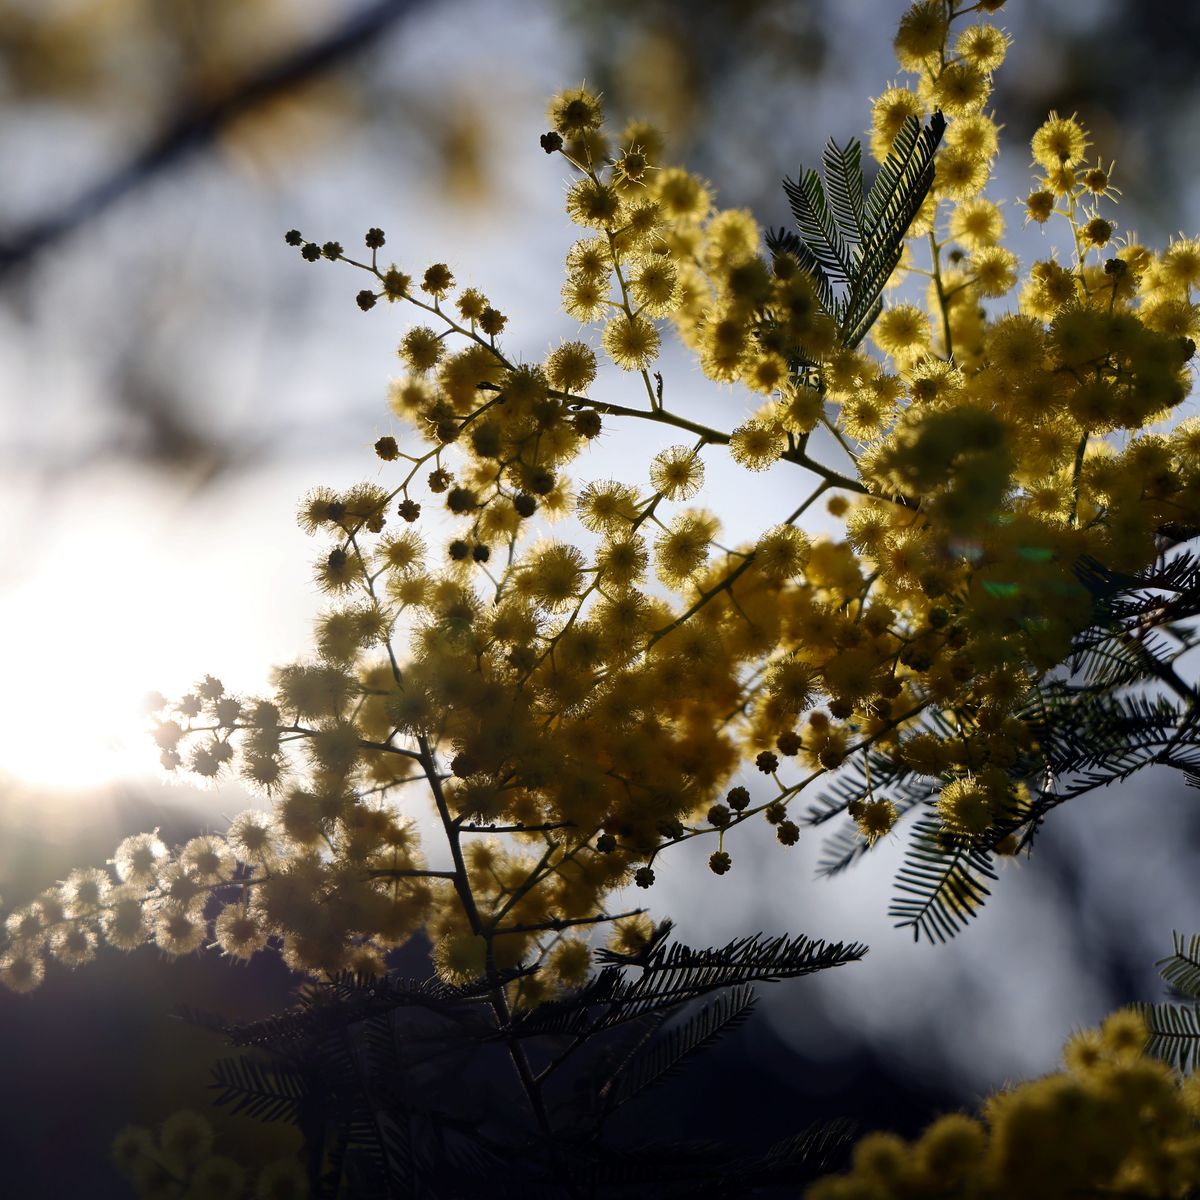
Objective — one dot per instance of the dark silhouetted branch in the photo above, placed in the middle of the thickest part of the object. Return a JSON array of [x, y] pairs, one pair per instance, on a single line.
[[196, 127]]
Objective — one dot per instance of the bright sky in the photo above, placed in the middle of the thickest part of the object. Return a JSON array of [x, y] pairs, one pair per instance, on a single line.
[[133, 588]]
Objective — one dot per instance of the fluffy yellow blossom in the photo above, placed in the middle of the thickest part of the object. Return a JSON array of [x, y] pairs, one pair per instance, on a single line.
[[922, 34], [756, 445], [983, 46], [902, 331], [1059, 142], [631, 342], [677, 472], [976, 224]]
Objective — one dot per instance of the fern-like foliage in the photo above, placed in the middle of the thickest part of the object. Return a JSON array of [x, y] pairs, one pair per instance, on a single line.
[[864, 778], [1181, 970], [677, 974], [268, 1092], [842, 849], [942, 883], [662, 1057], [1175, 1028], [1117, 706], [1174, 1033], [375, 1071], [849, 245]]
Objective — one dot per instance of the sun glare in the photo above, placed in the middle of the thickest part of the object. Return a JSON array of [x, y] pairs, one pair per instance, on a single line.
[[99, 620], [79, 663]]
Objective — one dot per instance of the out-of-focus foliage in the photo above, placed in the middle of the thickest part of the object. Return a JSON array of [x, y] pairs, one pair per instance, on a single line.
[[695, 70], [1123, 1118], [1115, 1122]]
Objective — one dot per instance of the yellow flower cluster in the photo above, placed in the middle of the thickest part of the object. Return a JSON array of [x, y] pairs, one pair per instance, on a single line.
[[180, 1162], [571, 710], [1114, 1122]]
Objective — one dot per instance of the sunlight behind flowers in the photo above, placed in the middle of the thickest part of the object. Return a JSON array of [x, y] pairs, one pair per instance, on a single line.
[[95, 619]]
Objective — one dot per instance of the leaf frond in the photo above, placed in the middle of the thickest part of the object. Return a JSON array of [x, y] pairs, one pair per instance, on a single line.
[[1174, 1033], [1182, 968], [664, 1057], [941, 883]]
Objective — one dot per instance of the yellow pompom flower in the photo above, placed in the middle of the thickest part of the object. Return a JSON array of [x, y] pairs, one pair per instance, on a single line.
[[571, 961], [921, 35], [85, 891], [1180, 263], [1059, 142], [585, 297], [73, 945], [724, 341], [186, 1138], [677, 472], [952, 1150], [983, 46], [643, 225], [853, 674], [179, 929], [976, 223], [959, 173], [681, 195], [1124, 1035], [571, 367], [421, 349], [756, 445], [22, 970], [765, 373], [630, 167], [731, 239], [1097, 232], [1084, 1052], [575, 111], [1039, 205], [124, 920], [994, 269], [607, 506], [207, 859], [407, 398], [591, 257], [631, 342], [683, 548], [964, 806], [780, 553], [239, 933], [889, 111], [1061, 180], [876, 818], [801, 409], [593, 203], [138, 859], [791, 685], [553, 576], [622, 561], [655, 285], [630, 935], [903, 331], [864, 414], [402, 551], [251, 834], [977, 135], [961, 89]]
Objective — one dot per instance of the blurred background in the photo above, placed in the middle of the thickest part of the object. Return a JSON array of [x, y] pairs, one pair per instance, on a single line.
[[173, 378]]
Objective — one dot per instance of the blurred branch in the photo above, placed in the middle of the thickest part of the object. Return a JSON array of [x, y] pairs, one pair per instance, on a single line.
[[195, 128]]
